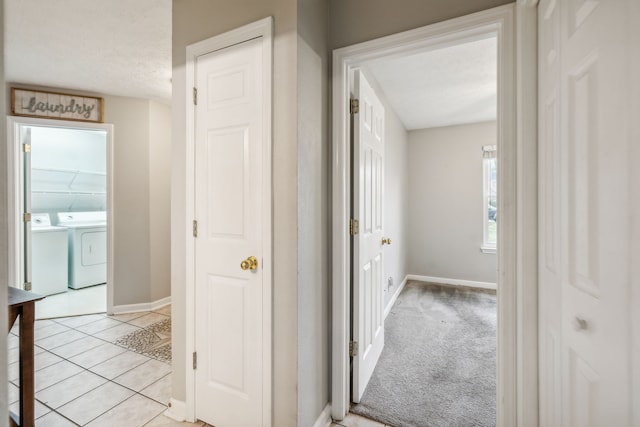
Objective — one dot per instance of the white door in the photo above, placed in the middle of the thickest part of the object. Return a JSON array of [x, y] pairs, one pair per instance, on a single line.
[[584, 207], [25, 138], [229, 150], [368, 197]]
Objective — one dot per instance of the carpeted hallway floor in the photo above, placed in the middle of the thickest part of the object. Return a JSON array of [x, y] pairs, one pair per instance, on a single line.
[[438, 366]]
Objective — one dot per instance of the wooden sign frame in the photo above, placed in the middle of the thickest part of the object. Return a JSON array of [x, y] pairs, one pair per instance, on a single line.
[[55, 105]]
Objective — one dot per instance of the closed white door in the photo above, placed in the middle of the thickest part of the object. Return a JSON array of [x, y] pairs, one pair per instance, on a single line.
[[229, 150], [584, 206], [368, 200]]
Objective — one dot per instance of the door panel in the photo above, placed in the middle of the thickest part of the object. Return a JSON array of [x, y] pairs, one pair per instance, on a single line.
[[368, 304], [584, 201], [229, 149], [94, 248]]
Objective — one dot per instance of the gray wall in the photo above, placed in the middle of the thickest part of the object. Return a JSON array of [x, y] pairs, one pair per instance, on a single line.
[[130, 117], [195, 20], [141, 157], [4, 255], [445, 207], [159, 200], [141, 167], [396, 201], [301, 172], [314, 321], [355, 21]]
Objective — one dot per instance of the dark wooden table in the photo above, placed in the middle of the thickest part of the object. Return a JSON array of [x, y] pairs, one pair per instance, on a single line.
[[22, 303]]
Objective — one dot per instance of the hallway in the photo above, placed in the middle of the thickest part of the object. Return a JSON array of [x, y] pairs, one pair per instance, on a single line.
[[88, 375]]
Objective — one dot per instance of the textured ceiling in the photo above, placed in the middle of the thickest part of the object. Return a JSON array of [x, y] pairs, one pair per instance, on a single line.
[[116, 47], [449, 86]]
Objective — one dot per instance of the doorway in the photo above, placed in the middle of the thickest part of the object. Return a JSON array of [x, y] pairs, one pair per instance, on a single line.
[[229, 279], [61, 184], [436, 209], [511, 289]]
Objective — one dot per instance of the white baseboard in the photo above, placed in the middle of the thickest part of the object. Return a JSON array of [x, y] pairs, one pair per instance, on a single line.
[[393, 299], [177, 410], [324, 420], [146, 306], [454, 282]]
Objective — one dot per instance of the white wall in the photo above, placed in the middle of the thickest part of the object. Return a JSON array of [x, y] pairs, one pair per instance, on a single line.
[[445, 205]]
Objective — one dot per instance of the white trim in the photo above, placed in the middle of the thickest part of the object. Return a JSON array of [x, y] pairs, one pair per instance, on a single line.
[[488, 249], [453, 282], [395, 296], [516, 330], [526, 248], [264, 29], [145, 306], [15, 195], [177, 410], [324, 420]]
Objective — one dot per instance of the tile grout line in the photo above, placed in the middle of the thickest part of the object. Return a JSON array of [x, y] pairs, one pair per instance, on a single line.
[[101, 376]]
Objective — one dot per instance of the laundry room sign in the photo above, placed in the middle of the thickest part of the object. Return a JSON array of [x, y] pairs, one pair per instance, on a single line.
[[52, 105]]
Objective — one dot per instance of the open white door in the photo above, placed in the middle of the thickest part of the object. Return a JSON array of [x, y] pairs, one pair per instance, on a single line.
[[25, 138], [368, 202], [230, 281], [584, 207]]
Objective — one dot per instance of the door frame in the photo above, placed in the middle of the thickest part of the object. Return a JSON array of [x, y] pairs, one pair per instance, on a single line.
[[15, 194], [264, 29], [517, 373]]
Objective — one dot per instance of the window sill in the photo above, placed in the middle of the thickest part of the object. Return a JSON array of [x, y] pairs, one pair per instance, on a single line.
[[488, 249]]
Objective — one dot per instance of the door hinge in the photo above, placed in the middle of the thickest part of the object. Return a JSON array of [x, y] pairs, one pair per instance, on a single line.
[[26, 148], [195, 228], [26, 217], [354, 226], [195, 360], [354, 106], [353, 348], [195, 96], [27, 286]]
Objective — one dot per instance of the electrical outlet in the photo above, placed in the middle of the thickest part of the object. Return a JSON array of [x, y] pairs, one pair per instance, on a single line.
[[389, 282]]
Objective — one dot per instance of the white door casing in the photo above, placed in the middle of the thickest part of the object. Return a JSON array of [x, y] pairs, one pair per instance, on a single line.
[[25, 140], [229, 157], [517, 261], [584, 209], [18, 187], [368, 203]]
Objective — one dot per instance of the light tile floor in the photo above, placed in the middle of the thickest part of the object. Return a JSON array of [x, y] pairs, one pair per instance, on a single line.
[[83, 379], [74, 302]]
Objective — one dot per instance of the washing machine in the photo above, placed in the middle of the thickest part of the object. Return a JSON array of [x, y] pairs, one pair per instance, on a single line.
[[87, 236], [49, 256]]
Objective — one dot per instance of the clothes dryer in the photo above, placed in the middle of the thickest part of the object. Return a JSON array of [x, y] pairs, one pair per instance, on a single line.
[[87, 235]]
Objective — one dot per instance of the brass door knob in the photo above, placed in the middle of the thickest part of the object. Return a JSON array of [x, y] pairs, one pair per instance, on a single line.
[[386, 241], [250, 263]]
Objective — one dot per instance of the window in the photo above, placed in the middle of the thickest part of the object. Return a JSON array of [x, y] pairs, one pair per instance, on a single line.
[[489, 198]]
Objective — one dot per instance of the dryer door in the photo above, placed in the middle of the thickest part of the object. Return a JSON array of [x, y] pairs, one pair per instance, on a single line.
[[94, 247]]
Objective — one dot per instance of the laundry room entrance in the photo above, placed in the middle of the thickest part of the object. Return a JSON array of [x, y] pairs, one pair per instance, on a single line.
[[61, 213]]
